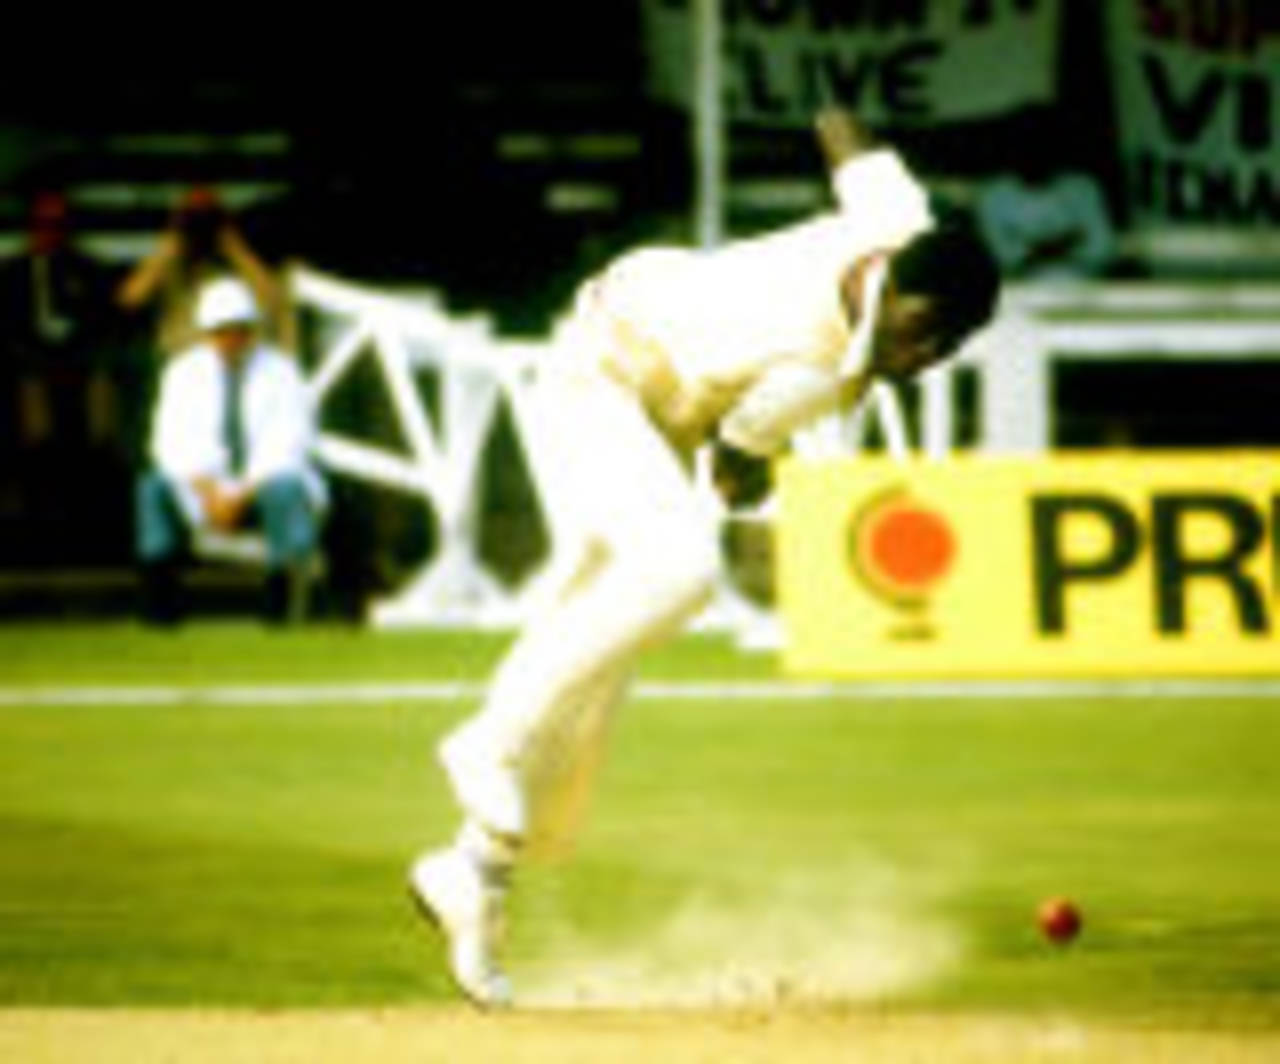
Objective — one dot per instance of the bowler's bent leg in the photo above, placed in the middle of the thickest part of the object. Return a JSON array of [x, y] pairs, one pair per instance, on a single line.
[[564, 762], [633, 501], [624, 493], [634, 603]]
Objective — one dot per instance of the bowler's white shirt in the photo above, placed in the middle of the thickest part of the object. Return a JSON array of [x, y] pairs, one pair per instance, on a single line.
[[733, 310], [276, 410], [725, 318]]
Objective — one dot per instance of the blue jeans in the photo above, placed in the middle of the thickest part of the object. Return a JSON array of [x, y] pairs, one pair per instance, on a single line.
[[281, 508]]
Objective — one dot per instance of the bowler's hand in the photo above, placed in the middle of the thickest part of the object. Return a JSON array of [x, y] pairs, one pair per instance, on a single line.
[[742, 479], [841, 135]]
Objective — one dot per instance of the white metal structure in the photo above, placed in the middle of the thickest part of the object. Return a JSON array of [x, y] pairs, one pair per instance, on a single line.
[[1040, 326], [475, 373], [478, 373]]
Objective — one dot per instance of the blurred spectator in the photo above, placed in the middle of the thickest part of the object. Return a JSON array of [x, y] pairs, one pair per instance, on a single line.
[[231, 442], [56, 343], [1043, 224], [203, 241]]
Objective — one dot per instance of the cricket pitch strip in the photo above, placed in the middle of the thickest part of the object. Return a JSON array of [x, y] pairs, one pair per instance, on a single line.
[[456, 1033]]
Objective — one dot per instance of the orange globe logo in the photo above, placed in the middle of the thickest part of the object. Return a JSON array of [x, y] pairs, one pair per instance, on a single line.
[[901, 551]]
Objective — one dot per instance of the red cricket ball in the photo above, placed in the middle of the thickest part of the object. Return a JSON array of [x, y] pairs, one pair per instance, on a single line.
[[1060, 920]]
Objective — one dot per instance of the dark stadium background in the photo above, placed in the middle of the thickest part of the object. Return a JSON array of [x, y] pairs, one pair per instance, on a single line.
[[493, 152]]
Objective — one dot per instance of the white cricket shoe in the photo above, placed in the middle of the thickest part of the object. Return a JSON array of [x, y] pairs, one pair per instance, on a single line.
[[453, 893], [488, 790]]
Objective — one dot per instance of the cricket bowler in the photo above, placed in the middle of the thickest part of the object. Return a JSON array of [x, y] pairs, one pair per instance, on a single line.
[[665, 350]]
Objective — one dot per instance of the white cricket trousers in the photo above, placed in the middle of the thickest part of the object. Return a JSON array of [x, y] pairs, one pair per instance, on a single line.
[[644, 561]]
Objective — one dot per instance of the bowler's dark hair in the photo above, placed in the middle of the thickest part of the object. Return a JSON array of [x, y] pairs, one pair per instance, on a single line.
[[952, 266]]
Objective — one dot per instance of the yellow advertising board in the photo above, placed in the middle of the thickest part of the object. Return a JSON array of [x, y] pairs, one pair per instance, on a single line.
[[1080, 565]]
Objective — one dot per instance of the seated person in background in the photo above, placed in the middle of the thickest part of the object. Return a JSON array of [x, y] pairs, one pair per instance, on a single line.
[[231, 441]]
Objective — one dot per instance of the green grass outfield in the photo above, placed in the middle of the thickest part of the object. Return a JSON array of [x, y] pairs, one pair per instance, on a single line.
[[887, 850]]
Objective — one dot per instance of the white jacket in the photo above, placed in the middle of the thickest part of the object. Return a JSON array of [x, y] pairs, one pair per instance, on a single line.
[[277, 411]]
